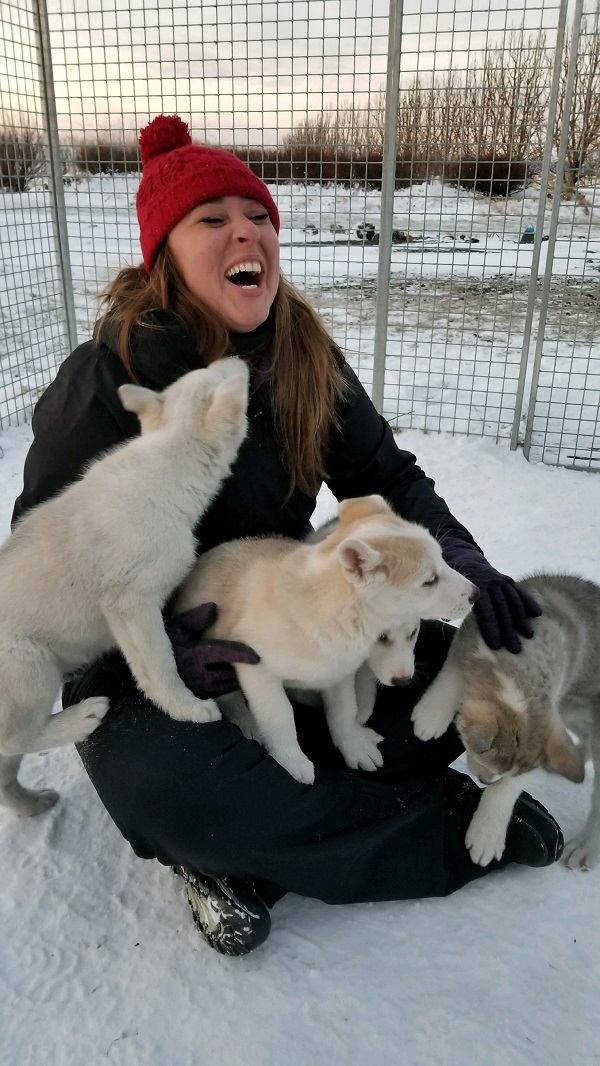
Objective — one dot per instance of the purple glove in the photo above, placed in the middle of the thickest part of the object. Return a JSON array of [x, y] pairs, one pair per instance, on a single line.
[[205, 665], [504, 608]]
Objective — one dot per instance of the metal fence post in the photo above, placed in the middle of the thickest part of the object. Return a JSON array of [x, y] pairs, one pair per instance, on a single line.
[[539, 222], [388, 183], [556, 203], [55, 169]]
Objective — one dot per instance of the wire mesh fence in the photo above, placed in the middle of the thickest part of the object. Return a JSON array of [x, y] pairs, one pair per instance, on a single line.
[[435, 163]]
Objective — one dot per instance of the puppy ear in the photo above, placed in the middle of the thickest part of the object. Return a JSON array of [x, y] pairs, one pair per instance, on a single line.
[[564, 757], [229, 366], [230, 399], [145, 403], [358, 560], [362, 507], [478, 728]]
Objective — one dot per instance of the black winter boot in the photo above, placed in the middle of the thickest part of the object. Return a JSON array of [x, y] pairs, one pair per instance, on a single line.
[[533, 838], [228, 912]]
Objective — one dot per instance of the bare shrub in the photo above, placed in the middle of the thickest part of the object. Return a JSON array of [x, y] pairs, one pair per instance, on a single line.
[[347, 132], [345, 146], [492, 176], [583, 145], [477, 128], [307, 165], [506, 100], [104, 156], [22, 156]]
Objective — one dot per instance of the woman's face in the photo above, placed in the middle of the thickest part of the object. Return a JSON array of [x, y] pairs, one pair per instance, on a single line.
[[228, 255]]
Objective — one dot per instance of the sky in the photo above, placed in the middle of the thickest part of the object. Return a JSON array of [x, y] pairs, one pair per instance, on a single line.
[[242, 72]]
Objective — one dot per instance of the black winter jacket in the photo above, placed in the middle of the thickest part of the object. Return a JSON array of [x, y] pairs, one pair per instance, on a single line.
[[79, 417]]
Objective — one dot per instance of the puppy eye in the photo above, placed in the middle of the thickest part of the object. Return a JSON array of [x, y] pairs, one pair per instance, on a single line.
[[432, 581], [383, 638], [414, 633]]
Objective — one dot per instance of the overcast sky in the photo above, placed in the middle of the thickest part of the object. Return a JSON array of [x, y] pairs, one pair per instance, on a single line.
[[242, 71]]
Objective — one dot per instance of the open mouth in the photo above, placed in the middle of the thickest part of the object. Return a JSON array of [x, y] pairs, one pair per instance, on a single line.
[[245, 275]]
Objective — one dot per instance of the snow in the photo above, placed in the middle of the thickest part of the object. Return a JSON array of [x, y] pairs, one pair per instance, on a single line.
[[101, 962]]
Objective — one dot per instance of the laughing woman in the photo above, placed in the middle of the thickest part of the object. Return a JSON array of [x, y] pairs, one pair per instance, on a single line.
[[203, 799]]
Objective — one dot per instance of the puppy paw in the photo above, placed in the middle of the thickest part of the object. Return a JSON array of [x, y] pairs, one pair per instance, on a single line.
[[360, 749], [301, 768], [581, 853], [85, 717], [430, 721], [205, 711], [193, 710], [484, 842], [95, 708]]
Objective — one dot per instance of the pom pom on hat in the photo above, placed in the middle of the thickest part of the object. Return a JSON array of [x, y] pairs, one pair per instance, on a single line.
[[178, 175], [163, 134]]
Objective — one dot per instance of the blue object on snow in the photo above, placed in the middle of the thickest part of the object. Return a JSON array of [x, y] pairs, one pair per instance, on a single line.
[[527, 236]]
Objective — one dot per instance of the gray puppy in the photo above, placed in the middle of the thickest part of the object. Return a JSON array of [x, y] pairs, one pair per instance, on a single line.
[[514, 710]]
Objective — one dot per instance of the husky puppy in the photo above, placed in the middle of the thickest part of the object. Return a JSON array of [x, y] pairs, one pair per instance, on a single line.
[[391, 662], [514, 710], [313, 612], [92, 568]]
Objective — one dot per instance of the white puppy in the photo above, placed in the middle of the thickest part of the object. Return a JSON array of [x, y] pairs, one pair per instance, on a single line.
[[313, 612], [391, 662], [93, 568]]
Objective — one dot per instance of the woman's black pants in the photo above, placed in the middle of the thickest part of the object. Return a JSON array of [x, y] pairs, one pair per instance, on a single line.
[[205, 797]]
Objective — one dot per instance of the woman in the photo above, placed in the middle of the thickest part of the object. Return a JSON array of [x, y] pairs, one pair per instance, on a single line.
[[203, 799]]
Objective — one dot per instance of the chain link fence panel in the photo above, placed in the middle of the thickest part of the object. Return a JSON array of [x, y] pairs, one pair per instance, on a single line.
[[433, 208]]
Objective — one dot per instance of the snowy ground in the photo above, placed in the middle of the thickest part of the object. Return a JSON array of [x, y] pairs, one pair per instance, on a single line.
[[100, 962]]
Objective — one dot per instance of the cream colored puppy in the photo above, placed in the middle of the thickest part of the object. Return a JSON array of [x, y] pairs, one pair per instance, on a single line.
[[314, 612], [93, 567]]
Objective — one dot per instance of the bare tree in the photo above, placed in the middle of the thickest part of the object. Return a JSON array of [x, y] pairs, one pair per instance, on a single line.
[[506, 99], [22, 156], [583, 146], [478, 126], [496, 107], [346, 131]]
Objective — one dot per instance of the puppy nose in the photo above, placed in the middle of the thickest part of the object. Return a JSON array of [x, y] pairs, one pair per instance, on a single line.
[[401, 681], [474, 595]]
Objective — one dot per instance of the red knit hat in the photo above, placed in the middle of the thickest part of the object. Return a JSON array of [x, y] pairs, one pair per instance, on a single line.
[[178, 175]]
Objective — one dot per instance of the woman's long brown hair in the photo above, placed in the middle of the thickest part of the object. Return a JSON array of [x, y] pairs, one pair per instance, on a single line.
[[307, 377]]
